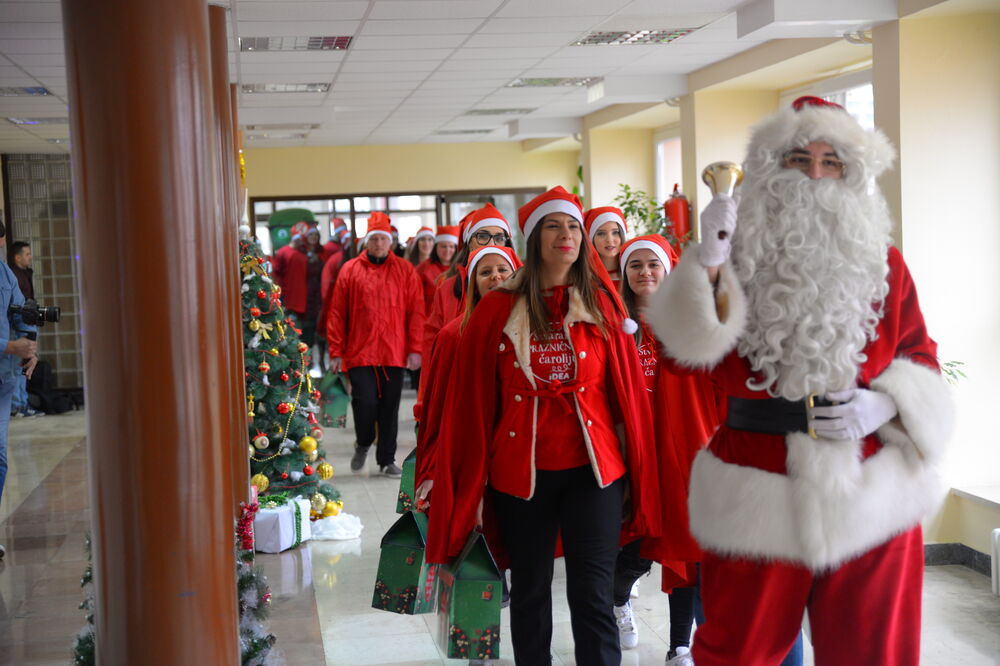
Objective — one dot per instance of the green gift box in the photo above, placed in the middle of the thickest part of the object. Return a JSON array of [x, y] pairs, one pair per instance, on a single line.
[[405, 582], [469, 593], [334, 400], [406, 500]]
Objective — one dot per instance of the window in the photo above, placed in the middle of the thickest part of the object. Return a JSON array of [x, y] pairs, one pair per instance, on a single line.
[[668, 167], [859, 102]]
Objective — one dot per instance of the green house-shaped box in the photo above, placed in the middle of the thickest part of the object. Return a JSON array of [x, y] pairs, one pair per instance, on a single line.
[[406, 500], [405, 583], [469, 594]]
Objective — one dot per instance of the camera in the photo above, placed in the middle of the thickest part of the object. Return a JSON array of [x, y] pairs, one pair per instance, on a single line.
[[33, 314]]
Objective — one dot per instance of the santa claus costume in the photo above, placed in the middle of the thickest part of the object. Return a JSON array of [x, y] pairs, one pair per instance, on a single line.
[[809, 497], [554, 436], [433, 267], [607, 230]]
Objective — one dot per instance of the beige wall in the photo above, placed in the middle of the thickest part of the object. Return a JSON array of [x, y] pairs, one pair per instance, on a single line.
[[614, 156], [405, 168], [962, 520]]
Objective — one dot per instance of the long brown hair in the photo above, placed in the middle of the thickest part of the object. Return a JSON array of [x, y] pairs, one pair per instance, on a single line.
[[631, 303], [413, 251], [580, 277]]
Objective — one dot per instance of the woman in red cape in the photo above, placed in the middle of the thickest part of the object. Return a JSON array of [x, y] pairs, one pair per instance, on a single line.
[[552, 438]]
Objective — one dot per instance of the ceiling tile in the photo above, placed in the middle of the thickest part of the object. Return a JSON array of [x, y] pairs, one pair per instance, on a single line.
[[283, 57], [390, 66], [428, 9], [406, 42], [482, 77], [304, 69], [374, 86], [510, 65], [522, 39], [421, 27], [491, 53], [296, 28], [38, 60], [560, 8], [381, 77], [22, 46], [573, 23], [404, 54], [301, 11], [30, 11], [11, 30]]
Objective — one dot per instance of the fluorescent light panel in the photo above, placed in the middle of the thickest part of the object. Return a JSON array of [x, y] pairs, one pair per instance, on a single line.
[[555, 82], [338, 43], [285, 87], [626, 38], [18, 91], [458, 132], [39, 121], [499, 112], [281, 126]]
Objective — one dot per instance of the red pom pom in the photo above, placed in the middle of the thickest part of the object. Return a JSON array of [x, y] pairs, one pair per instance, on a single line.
[[307, 470]]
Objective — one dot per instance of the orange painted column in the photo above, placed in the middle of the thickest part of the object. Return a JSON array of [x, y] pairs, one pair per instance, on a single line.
[[155, 341], [237, 443]]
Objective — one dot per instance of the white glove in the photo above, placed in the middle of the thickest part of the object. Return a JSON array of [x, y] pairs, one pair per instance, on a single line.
[[861, 413], [718, 221]]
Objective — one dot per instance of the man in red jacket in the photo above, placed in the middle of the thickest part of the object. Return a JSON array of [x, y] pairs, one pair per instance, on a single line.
[[374, 330], [809, 497]]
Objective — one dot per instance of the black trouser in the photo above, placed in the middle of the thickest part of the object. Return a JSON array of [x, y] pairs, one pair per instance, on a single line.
[[375, 393], [629, 566], [567, 503]]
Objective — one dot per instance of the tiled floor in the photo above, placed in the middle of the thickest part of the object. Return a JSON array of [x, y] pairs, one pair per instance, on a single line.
[[322, 591]]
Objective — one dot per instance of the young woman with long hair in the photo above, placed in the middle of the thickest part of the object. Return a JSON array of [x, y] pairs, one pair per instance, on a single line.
[[607, 230], [553, 437], [418, 249], [442, 249]]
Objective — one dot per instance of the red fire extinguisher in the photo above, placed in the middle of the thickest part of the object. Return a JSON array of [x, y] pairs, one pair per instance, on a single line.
[[678, 211]]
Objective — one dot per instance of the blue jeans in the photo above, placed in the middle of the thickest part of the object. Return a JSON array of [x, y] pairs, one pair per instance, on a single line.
[[6, 392], [20, 399]]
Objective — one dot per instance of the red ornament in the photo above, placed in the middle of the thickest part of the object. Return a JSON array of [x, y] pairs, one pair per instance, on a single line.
[[303, 348], [317, 433], [317, 395], [260, 261], [246, 374], [284, 407], [264, 367], [312, 419], [296, 374], [307, 470], [284, 376], [261, 293], [284, 475], [254, 312]]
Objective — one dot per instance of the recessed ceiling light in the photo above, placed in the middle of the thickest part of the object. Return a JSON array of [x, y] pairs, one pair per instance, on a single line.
[[281, 126], [58, 140], [627, 37], [566, 81], [17, 91], [39, 121], [277, 135], [467, 131], [285, 87], [295, 43], [499, 112]]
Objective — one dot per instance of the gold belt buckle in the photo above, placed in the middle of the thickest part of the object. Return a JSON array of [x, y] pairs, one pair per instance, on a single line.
[[810, 403]]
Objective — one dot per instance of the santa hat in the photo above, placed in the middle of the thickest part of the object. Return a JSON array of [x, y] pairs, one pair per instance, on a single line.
[[299, 229], [556, 200], [393, 229], [655, 242], [480, 252], [338, 224], [447, 235], [598, 217], [423, 231], [865, 153], [342, 234], [313, 229], [487, 216], [378, 223]]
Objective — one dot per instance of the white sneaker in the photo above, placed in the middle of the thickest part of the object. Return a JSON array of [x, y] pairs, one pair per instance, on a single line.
[[628, 632], [682, 657], [634, 592]]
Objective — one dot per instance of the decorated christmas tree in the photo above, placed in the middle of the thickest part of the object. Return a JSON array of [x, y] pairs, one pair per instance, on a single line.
[[286, 458]]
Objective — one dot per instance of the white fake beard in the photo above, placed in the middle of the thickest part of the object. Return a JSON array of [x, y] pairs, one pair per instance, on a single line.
[[811, 255]]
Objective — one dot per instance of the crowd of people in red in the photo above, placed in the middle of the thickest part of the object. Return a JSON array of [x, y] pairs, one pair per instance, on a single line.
[[760, 416]]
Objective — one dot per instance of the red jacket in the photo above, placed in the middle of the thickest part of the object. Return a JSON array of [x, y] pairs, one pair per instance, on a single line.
[[330, 270], [429, 271], [492, 439], [290, 269], [433, 411], [444, 306], [377, 314]]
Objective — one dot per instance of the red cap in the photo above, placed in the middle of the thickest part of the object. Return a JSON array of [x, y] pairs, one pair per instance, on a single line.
[[811, 100], [487, 216], [299, 229], [447, 235], [556, 200], [480, 252], [378, 223], [423, 231], [655, 242], [598, 217]]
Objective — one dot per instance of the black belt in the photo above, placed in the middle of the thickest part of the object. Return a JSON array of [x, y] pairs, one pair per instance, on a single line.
[[771, 416]]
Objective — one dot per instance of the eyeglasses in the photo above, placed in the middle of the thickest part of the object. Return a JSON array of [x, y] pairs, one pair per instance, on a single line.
[[804, 162], [484, 238]]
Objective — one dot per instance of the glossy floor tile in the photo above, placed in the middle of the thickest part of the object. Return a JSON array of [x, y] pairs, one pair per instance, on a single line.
[[322, 591]]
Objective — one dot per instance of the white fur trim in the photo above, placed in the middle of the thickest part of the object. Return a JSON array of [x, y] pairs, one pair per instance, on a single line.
[[683, 314], [422, 233], [645, 245], [830, 508], [926, 410], [446, 238], [489, 249], [488, 222], [376, 233], [603, 219], [551, 206]]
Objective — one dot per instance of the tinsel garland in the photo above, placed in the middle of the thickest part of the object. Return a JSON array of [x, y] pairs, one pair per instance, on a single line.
[[298, 524]]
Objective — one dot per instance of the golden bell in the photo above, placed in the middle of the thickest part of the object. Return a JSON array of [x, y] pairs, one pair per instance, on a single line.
[[722, 177], [260, 481]]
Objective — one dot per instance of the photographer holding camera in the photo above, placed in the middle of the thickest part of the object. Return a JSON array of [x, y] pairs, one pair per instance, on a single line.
[[19, 352]]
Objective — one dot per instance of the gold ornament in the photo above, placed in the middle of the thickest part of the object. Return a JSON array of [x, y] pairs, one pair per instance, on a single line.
[[325, 471], [307, 444], [254, 325], [250, 404], [312, 456], [250, 448], [330, 509], [318, 502], [260, 481], [261, 442]]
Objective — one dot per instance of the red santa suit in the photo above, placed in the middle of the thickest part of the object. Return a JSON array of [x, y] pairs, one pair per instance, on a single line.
[[790, 523], [431, 269], [596, 218]]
